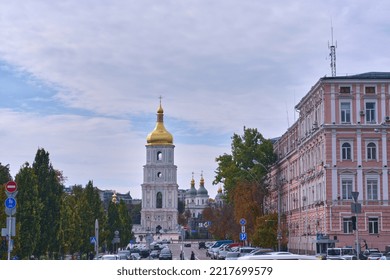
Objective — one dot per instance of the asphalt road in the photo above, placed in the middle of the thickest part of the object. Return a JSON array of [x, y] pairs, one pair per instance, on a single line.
[[200, 254]]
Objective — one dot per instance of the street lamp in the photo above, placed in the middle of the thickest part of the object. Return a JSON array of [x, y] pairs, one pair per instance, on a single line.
[[356, 209], [278, 186]]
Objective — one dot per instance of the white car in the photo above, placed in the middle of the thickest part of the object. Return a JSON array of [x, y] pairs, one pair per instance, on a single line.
[[110, 257]]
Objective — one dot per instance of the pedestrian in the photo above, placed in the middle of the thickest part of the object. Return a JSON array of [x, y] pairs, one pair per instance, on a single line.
[[192, 255]]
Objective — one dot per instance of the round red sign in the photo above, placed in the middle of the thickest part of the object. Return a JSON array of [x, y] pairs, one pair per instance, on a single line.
[[11, 187]]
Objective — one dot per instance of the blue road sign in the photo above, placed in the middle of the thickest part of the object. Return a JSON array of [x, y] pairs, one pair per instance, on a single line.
[[243, 236], [92, 240], [242, 222], [10, 203]]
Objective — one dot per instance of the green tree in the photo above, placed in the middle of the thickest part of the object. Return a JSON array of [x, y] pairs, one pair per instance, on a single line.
[[27, 215], [91, 208], [126, 226], [68, 234], [50, 190], [113, 224], [250, 159]]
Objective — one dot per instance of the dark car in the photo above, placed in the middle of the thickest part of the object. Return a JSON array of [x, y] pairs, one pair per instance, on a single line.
[[165, 254], [155, 254], [202, 245], [187, 245]]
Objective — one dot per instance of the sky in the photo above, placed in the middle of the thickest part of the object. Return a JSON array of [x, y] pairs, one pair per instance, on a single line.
[[82, 79]]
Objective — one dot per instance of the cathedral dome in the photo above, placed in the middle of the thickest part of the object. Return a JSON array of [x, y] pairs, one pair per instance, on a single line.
[[219, 194], [159, 136], [192, 190], [202, 190]]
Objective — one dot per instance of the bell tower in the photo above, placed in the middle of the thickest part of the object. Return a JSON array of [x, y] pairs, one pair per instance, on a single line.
[[159, 212]]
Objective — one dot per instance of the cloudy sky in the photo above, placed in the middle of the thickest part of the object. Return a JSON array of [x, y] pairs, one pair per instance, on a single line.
[[82, 79]]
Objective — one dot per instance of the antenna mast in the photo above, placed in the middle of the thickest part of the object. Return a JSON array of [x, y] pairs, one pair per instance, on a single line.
[[332, 54]]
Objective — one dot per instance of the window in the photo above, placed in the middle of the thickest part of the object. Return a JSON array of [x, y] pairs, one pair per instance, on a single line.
[[370, 90], [159, 200], [345, 89], [345, 108], [370, 112], [346, 151], [373, 225], [371, 151], [346, 188], [159, 156], [347, 225], [372, 189]]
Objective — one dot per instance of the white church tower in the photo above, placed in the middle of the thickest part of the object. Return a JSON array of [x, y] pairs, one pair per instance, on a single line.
[[159, 189]]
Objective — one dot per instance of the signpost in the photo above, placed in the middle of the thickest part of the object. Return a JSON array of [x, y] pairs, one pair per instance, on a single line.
[[243, 235], [10, 210]]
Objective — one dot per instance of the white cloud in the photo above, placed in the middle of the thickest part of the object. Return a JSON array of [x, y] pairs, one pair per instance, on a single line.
[[219, 65]]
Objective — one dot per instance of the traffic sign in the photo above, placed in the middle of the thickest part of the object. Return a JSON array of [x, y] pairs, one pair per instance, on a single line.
[[9, 211], [243, 236], [92, 240], [11, 187], [242, 222], [242, 229], [10, 203]]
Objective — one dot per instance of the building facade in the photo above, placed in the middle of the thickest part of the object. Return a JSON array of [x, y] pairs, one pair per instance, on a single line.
[[338, 147], [196, 200], [159, 212]]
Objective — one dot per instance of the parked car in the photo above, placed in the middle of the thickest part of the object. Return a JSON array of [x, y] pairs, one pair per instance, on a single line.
[[165, 254], [124, 254], [154, 254], [232, 255], [202, 245], [135, 256], [110, 257], [368, 252], [374, 256]]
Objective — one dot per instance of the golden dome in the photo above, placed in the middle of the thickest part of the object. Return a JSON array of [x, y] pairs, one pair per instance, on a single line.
[[159, 136]]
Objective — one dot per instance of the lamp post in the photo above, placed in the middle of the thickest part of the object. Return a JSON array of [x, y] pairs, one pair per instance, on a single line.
[[279, 184], [356, 209]]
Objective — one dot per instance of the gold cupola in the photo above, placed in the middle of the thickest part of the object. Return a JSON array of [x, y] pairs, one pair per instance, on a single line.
[[159, 136]]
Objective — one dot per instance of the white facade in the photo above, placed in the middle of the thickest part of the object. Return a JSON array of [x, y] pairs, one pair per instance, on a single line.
[[159, 212]]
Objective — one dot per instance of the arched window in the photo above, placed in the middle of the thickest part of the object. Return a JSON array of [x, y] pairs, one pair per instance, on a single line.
[[159, 200], [346, 151], [159, 156], [371, 151]]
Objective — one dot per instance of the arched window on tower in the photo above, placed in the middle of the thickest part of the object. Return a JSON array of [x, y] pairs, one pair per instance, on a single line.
[[159, 200], [159, 156]]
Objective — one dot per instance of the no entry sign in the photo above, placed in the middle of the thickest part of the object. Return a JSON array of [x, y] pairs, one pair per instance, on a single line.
[[11, 187]]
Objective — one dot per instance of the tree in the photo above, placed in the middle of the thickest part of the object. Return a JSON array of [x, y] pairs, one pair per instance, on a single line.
[[246, 197], [113, 224], [125, 230], [252, 156], [27, 217], [266, 231], [50, 190], [222, 222]]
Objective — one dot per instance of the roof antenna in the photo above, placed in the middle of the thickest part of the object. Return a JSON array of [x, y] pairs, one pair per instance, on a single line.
[[332, 54]]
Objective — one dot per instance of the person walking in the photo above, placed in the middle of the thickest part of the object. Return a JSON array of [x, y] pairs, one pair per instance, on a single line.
[[192, 255]]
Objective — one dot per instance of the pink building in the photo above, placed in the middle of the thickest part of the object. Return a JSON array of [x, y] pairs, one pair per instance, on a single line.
[[339, 145]]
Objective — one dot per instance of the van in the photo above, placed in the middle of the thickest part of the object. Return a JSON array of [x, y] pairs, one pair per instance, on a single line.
[[340, 253]]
